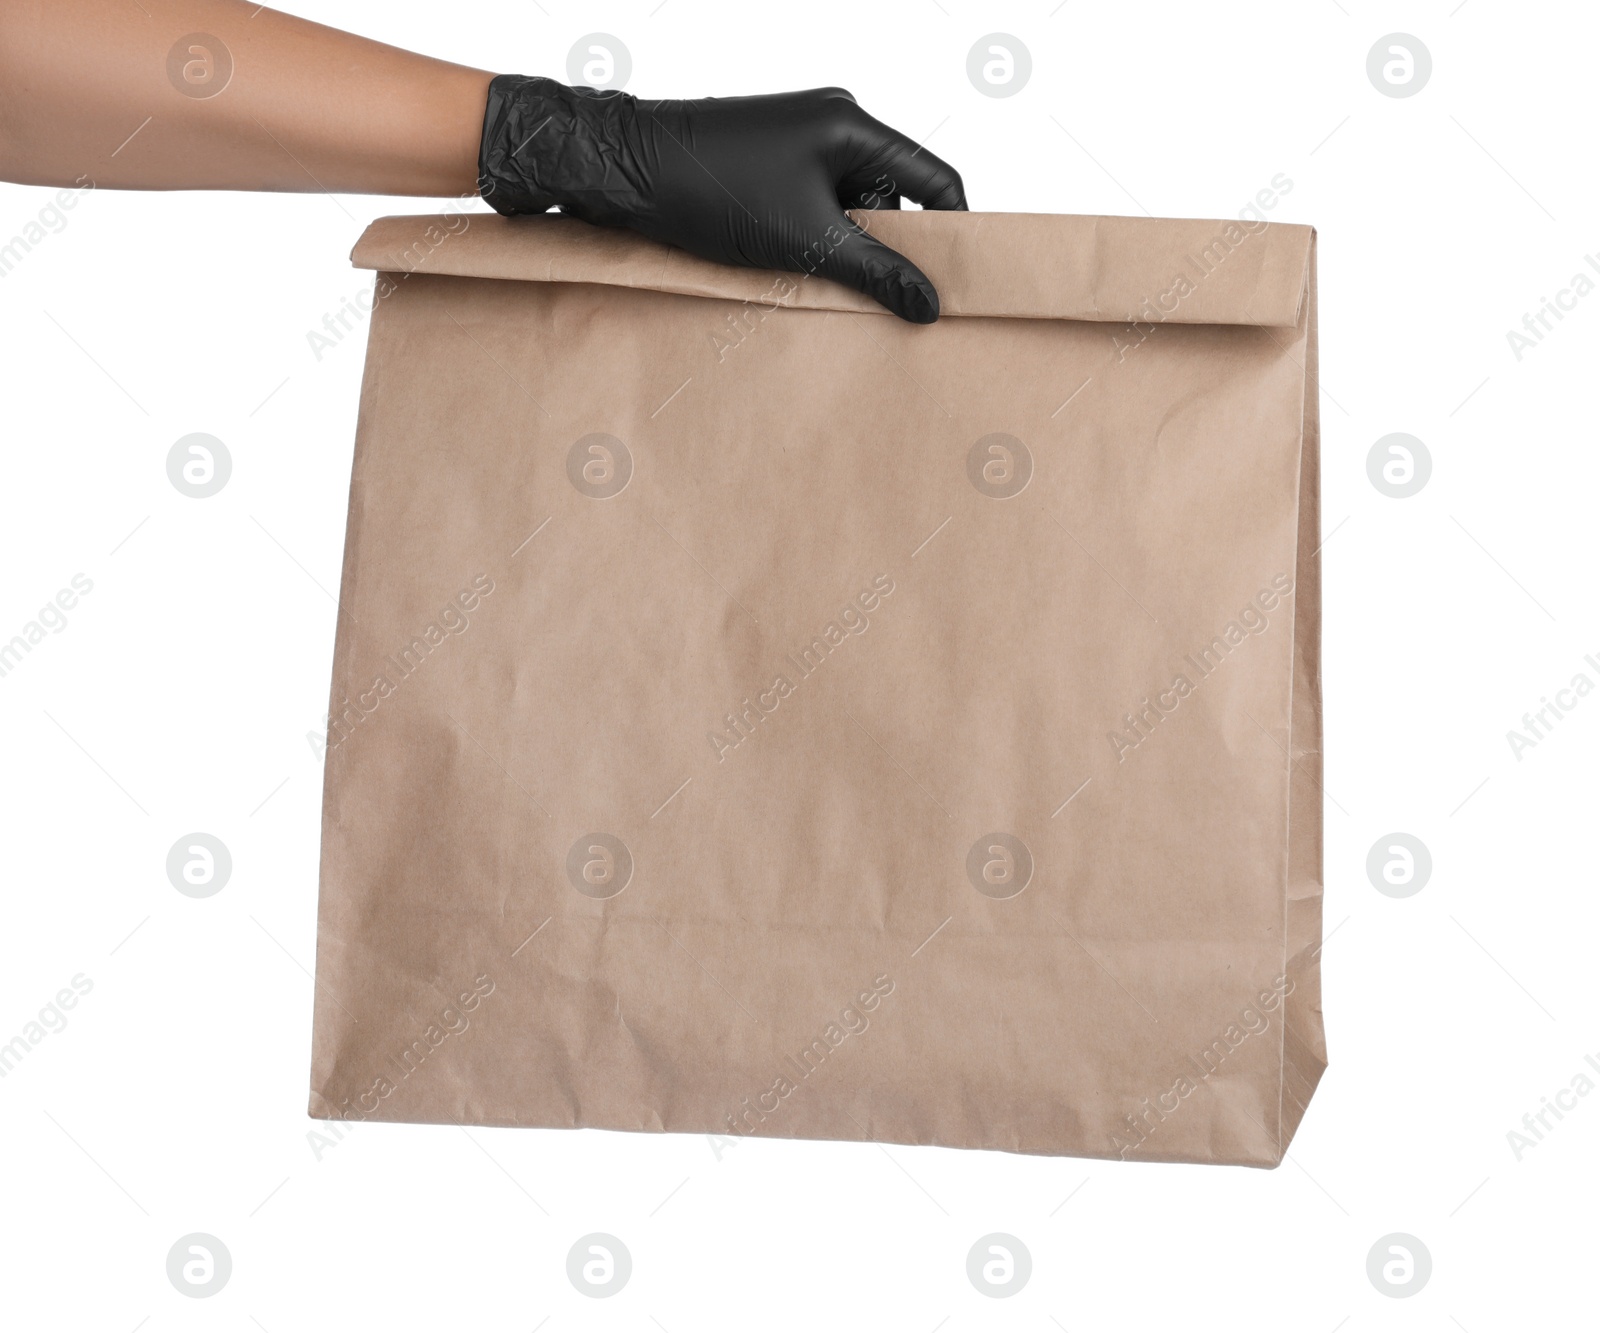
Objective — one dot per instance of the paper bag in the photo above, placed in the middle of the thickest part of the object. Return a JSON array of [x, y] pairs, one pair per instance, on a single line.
[[754, 715]]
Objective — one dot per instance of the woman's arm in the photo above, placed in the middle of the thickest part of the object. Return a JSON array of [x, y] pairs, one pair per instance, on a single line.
[[221, 94], [226, 95]]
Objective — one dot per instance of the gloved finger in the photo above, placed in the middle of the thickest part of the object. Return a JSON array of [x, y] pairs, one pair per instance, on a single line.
[[911, 170], [879, 194], [888, 277]]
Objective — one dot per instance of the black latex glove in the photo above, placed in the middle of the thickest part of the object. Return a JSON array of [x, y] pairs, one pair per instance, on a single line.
[[760, 181]]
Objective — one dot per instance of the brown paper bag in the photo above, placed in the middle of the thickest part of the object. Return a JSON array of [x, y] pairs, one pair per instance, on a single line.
[[753, 715]]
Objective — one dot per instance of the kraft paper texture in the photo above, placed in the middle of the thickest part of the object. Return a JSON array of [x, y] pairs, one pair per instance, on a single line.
[[753, 715]]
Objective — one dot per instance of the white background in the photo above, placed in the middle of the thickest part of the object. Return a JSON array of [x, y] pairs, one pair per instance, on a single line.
[[179, 694]]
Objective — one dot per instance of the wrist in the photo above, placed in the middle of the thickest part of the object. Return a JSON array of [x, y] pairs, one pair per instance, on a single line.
[[546, 145]]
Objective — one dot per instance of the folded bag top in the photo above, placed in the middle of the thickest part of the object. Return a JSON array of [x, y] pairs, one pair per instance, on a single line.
[[1009, 265], [754, 715]]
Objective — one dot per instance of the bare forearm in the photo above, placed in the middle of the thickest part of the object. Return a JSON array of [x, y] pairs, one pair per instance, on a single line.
[[107, 89]]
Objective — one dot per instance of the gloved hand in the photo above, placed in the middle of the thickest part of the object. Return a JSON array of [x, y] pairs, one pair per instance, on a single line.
[[761, 181]]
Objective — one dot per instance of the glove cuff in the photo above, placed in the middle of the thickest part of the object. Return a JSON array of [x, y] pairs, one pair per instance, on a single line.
[[546, 145]]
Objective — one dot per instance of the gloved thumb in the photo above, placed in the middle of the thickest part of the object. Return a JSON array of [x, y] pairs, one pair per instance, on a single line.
[[888, 277]]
